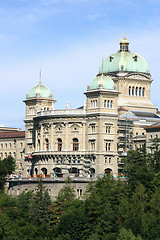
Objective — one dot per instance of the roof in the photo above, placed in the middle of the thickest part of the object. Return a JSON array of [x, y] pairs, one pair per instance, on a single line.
[[156, 125], [8, 129], [145, 114], [39, 91], [16, 134], [102, 81], [124, 61]]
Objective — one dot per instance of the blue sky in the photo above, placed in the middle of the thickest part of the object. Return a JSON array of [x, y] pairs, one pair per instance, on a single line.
[[67, 40]]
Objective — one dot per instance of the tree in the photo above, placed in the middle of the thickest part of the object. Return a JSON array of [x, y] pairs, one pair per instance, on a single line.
[[137, 169], [7, 166], [125, 234]]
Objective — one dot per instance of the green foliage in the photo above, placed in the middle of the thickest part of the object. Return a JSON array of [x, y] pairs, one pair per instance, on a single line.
[[7, 166], [125, 234], [111, 210], [137, 169], [66, 194]]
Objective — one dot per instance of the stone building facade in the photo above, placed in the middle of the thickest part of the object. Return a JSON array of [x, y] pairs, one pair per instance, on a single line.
[[92, 139], [12, 143]]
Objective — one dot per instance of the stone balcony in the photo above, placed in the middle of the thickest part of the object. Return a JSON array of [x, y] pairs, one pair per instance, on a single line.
[[63, 112]]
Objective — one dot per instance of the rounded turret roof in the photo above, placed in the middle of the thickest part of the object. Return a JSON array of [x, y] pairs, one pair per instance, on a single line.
[[103, 82], [124, 61], [39, 91]]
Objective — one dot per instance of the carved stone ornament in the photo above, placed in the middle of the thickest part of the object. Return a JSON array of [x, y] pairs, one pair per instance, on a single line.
[[138, 76]]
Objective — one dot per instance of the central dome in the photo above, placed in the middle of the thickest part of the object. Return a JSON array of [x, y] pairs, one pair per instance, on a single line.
[[124, 61]]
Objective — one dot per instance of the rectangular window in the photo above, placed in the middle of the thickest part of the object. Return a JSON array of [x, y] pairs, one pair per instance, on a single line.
[[108, 129], [93, 129]]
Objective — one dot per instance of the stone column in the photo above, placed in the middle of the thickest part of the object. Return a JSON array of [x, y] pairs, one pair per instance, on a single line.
[[83, 136], [52, 132], [66, 137], [41, 137], [36, 140]]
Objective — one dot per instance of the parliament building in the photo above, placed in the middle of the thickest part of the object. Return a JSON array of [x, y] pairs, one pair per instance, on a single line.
[[91, 140]]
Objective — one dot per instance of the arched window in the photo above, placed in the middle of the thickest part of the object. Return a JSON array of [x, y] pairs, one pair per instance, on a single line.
[[106, 146], [143, 92], [47, 144], [136, 92], [129, 90], [91, 104], [132, 91], [109, 146], [140, 91], [38, 144], [108, 171], [105, 103], [108, 104], [44, 171], [59, 144], [111, 104], [75, 144]]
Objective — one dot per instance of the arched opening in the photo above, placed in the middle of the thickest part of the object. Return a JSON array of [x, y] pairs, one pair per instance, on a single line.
[[108, 104], [47, 144], [140, 91], [136, 92], [108, 171], [44, 171], [74, 171], [59, 144], [143, 92], [92, 171], [129, 90], [58, 171], [38, 146], [132, 91], [75, 144], [111, 104], [105, 103], [35, 172]]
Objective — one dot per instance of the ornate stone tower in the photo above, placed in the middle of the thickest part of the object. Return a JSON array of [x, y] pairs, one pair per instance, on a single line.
[[38, 99], [101, 137]]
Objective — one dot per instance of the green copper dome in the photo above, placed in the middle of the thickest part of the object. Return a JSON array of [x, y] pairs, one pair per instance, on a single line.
[[124, 61], [103, 82], [39, 91]]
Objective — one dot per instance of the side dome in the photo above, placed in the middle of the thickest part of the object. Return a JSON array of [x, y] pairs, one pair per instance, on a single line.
[[39, 91], [103, 82], [124, 61]]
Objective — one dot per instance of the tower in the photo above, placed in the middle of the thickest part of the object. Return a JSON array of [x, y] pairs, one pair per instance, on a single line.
[[102, 115], [38, 99]]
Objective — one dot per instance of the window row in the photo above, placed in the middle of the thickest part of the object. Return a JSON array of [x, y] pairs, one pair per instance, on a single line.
[[5, 155], [94, 103], [108, 103], [107, 160], [10, 145], [136, 91], [31, 111], [75, 144]]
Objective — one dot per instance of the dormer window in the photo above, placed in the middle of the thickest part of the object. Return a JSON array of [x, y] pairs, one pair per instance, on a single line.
[[111, 58], [135, 58], [122, 68]]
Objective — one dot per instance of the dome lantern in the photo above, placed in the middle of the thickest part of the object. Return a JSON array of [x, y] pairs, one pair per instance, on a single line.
[[124, 44]]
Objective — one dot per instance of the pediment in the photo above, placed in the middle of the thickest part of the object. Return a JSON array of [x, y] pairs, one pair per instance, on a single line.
[[138, 76]]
